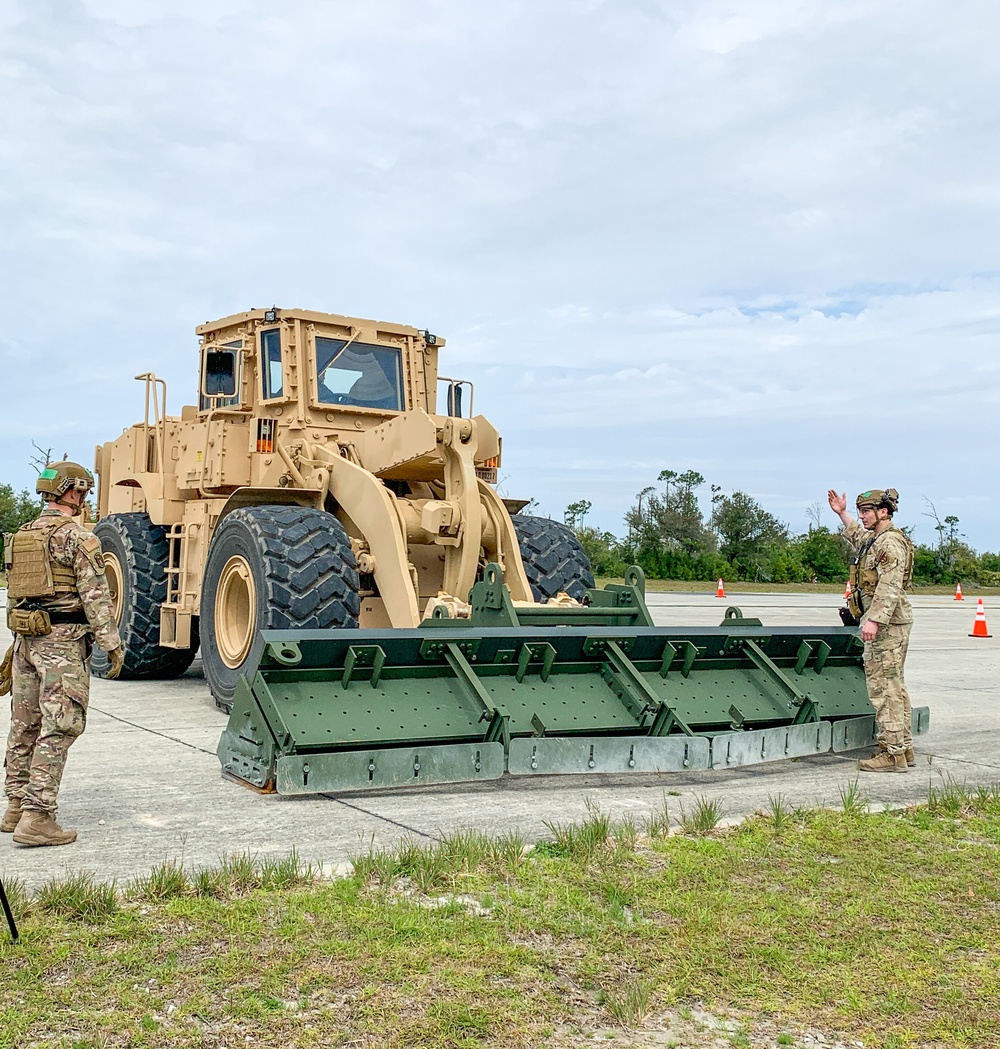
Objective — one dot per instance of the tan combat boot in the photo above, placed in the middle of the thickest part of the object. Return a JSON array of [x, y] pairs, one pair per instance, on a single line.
[[11, 816], [911, 758], [39, 828], [883, 762]]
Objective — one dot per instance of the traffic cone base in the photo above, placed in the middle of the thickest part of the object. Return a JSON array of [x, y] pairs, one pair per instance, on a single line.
[[721, 591], [979, 627]]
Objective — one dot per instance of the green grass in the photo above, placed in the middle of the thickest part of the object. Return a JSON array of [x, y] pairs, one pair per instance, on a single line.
[[874, 927]]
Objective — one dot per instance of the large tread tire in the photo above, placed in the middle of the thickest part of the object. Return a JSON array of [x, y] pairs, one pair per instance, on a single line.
[[301, 575], [140, 551], [553, 558]]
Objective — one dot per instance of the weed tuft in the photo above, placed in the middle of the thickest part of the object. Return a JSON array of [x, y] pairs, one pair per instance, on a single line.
[[629, 1003], [626, 834], [465, 850], [957, 800], [578, 841], [658, 821], [285, 872], [507, 851], [79, 897], [853, 799], [239, 873], [430, 869], [781, 815], [363, 864], [167, 881], [704, 816], [206, 882]]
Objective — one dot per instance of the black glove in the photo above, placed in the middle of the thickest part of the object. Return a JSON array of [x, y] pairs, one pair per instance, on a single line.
[[848, 618]]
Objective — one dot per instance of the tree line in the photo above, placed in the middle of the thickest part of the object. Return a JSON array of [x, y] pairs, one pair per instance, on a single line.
[[669, 537]]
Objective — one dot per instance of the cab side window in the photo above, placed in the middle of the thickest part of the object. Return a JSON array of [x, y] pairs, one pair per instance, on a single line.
[[270, 364]]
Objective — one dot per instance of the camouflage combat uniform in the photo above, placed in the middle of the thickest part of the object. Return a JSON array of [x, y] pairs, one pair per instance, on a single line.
[[51, 674], [885, 572]]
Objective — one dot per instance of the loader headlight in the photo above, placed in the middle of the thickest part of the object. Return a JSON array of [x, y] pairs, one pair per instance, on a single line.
[[431, 340], [271, 315]]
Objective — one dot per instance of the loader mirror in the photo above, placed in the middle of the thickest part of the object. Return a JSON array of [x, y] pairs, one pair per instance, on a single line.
[[455, 399], [219, 379]]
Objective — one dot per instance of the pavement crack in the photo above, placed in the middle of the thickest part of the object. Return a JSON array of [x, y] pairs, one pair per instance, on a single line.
[[151, 731], [962, 761], [375, 815]]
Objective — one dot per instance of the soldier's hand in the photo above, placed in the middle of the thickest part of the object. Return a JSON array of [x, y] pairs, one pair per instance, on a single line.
[[116, 658], [838, 503], [869, 631]]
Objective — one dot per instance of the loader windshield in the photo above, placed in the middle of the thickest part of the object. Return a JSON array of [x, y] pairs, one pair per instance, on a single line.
[[358, 374]]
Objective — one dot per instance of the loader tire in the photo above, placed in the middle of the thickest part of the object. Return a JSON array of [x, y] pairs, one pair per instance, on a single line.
[[553, 558], [135, 559], [272, 568]]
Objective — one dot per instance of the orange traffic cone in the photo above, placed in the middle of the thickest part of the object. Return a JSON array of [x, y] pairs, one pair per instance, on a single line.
[[847, 591], [958, 592], [721, 591], [979, 627]]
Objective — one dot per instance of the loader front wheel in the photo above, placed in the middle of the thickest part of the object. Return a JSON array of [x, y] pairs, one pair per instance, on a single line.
[[553, 558], [135, 562], [272, 568]]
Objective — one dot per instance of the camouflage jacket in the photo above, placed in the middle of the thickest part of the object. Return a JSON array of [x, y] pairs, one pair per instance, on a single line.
[[78, 548], [886, 573]]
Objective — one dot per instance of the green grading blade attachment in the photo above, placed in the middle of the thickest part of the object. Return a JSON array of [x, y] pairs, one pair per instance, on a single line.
[[541, 690]]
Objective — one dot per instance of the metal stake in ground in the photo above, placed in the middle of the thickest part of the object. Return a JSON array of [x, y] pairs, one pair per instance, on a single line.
[[8, 913]]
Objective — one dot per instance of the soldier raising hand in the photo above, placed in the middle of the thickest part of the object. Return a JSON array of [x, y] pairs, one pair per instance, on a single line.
[[881, 573]]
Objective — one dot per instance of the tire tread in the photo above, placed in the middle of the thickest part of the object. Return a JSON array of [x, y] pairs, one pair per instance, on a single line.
[[553, 558]]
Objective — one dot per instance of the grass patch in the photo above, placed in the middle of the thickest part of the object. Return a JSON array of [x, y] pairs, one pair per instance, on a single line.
[[872, 927], [80, 897], [703, 817]]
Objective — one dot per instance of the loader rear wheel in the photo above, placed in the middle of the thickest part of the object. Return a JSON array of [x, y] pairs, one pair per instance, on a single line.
[[135, 561], [272, 568], [553, 558]]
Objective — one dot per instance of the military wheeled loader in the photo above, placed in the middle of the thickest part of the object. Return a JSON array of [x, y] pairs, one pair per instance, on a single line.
[[372, 613]]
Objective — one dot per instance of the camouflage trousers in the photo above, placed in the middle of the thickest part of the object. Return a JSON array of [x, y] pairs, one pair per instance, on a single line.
[[48, 711], [884, 659]]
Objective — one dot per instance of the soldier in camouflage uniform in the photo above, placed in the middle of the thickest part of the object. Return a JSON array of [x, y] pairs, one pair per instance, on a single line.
[[58, 604], [880, 574]]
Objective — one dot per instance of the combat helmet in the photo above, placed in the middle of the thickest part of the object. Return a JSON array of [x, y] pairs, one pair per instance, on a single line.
[[879, 498], [59, 478]]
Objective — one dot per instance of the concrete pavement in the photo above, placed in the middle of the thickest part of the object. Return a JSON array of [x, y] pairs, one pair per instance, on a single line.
[[143, 785]]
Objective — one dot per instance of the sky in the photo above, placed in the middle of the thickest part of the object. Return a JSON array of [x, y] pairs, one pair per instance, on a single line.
[[757, 239]]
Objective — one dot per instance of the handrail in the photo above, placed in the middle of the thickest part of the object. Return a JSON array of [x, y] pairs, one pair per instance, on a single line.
[[159, 417]]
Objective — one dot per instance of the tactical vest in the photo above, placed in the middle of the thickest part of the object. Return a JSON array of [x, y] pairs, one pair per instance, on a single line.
[[32, 571], [864, 580]]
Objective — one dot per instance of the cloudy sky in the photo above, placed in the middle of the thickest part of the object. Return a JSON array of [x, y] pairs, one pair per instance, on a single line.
[[758, 239]]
